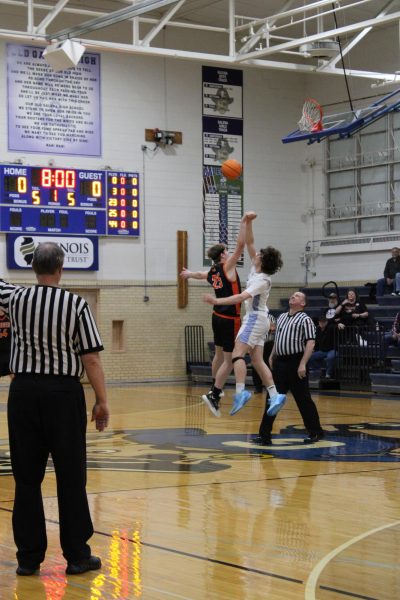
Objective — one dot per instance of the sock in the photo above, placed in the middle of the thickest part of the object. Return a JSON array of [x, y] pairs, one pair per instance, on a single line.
[[271, 389], [239, 387], [216, 391]]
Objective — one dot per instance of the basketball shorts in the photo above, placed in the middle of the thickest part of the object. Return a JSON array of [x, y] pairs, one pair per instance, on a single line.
[[225, 330], [254, 329]]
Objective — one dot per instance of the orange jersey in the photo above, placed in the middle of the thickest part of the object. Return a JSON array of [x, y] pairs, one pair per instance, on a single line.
[[224, 288]]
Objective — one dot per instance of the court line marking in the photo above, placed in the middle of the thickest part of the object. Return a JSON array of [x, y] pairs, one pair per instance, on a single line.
[[311, 582]]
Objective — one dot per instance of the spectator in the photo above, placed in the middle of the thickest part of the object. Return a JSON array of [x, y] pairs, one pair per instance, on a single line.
[[324, 350], [352, 311], [392, 338], [391, 275], [330, 313]]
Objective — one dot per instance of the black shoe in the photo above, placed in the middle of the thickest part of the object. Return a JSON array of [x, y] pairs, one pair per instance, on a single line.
[[261, 440], [212, 403], [25, 571], [314, 437], [89, 564]]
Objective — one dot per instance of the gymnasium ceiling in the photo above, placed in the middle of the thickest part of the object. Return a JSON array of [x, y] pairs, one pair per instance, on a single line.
[[291, 35]]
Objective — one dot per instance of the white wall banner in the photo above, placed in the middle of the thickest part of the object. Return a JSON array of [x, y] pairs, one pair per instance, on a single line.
[[81, 253], [53, 112]]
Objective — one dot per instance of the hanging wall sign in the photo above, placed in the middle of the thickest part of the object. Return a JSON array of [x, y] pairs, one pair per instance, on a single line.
[[53, 112], [222, 140], [81, 253]]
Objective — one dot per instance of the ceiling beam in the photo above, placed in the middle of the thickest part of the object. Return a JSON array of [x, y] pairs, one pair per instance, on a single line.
[[140, 7], [358, 38], [252, 40], [157, 28], [331, 33], [41, 28]]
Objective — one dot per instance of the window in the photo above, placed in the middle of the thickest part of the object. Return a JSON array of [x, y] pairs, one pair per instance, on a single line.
[[363, 180]]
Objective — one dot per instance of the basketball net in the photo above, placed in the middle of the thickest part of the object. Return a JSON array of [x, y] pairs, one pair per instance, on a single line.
[[311, 119]]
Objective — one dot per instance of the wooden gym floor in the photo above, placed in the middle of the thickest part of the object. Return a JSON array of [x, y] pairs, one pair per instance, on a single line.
[[186, 507]]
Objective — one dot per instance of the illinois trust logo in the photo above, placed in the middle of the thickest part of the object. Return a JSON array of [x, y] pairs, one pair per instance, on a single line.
[[184, 450], [27, 248]]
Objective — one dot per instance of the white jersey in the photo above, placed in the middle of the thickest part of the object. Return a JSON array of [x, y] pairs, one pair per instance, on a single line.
[[255, 324], [258, 286]]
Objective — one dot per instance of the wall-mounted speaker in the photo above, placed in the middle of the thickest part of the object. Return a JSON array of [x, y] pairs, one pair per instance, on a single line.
[[63, 55]]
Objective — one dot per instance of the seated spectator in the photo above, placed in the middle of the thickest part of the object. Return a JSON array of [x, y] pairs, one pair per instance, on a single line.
[[268, 345], [392, 338], [391, 275], [324, 349], [330, 313], [352, 311]]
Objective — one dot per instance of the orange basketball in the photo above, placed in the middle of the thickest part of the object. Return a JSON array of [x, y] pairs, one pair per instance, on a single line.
[[231, 169]]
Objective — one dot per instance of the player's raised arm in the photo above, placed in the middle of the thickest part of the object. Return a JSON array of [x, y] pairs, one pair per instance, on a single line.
[[230, 264], [250, 236]]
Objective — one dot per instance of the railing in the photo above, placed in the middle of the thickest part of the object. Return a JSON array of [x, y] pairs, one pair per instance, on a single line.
[[360, 350], [194, 346]]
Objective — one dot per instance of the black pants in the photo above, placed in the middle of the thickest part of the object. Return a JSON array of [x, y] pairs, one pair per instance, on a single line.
[[47, 415], [286, 379]]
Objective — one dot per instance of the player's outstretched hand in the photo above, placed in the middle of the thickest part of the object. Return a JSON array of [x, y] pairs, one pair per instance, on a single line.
[[250, 215], [209, 299], [185, 273]]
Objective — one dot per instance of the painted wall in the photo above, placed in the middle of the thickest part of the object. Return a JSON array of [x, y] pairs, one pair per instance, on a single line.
[[144, 92], [283, 183]]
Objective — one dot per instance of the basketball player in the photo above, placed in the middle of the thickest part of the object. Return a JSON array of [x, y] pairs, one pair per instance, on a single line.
[[251, 336], [225, 319]]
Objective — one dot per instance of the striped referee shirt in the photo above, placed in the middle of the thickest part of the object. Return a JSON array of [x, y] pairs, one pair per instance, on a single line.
[[50, 329], [292, 333]]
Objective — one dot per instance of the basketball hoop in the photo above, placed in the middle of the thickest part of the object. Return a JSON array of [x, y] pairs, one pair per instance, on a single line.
[[311, 119]]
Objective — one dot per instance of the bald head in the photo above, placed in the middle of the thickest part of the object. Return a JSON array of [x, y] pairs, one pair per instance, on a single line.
[[48, 259]]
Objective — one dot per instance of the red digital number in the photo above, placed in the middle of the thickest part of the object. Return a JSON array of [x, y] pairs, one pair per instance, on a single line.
[[45, 179], [59, 178], [70, 179]]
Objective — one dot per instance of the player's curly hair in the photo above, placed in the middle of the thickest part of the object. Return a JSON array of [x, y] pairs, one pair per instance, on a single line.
[[215, 252], [271, 260]]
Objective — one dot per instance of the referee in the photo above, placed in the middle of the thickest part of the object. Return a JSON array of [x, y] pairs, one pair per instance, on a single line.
[[54, 338], [293, 346]]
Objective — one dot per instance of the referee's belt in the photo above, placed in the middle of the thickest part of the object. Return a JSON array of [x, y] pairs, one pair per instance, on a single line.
[[290, 356], [46, 377]]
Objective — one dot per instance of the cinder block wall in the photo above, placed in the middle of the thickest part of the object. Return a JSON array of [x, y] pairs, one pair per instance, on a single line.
[[153, 331]]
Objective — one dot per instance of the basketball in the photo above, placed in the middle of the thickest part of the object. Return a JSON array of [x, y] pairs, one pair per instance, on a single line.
[[231, 169]]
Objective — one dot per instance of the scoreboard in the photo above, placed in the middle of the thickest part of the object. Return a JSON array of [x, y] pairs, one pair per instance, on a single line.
[[68, 201]]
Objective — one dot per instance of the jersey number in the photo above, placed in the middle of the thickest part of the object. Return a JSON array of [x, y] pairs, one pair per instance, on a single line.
[[217, 282]]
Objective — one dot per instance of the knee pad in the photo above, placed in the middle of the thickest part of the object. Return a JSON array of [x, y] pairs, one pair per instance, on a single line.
[[238, 358]]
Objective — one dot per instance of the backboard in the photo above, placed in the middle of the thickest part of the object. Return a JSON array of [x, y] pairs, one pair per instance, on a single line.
[[343, 125]]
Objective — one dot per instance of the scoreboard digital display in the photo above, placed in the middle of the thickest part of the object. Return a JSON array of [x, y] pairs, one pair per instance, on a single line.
[[68, 201]]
